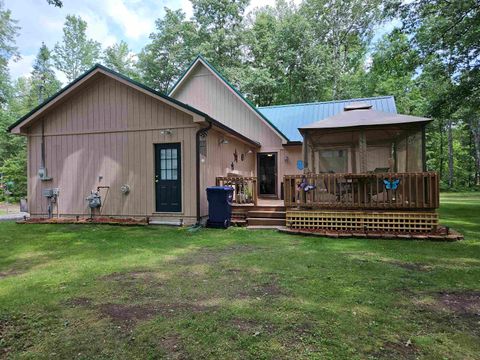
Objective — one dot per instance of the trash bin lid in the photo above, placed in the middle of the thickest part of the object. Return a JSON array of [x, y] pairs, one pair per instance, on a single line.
[[219, 188]]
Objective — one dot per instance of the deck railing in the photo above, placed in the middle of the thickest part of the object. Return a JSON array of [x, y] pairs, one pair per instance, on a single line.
[[244, 188], [363, 191]]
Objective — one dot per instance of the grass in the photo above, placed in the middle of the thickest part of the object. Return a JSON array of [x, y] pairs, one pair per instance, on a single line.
[[81, 291]]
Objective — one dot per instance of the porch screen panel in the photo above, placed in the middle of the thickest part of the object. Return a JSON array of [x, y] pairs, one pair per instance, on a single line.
[[378, 157], [335, 160], [414, 152]]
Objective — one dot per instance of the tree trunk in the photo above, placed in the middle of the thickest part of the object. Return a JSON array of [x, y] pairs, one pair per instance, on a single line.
[[440, 150], [475, 126], [450, 154]]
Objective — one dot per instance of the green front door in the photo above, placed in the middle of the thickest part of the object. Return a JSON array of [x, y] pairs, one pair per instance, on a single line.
[[168, 178]]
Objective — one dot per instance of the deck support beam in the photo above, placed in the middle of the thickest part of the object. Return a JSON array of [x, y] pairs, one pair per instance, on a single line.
[[305, 153], [362, 147]]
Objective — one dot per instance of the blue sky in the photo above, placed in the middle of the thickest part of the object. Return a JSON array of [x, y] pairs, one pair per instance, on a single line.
[[109, 21]]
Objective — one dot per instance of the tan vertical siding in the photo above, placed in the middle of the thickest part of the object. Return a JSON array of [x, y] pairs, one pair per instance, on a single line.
[[204, 91], [289, 165], [109, 129], [218, 163]]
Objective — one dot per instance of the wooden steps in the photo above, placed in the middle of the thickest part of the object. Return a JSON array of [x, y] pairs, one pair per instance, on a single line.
[[259, 216]]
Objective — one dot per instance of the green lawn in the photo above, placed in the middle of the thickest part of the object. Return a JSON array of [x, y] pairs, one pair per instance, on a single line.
[[80, 291]]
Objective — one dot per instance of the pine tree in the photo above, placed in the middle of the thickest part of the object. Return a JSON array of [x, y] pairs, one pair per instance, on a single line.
[[44, 83]]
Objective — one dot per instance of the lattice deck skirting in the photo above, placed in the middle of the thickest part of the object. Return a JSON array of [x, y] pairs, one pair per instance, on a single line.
[[391, 221]]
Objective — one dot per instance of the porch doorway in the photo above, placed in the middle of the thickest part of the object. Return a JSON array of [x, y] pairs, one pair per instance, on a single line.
[[267, 174]]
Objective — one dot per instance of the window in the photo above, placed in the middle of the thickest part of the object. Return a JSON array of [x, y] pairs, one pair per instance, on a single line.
[[168, 164]]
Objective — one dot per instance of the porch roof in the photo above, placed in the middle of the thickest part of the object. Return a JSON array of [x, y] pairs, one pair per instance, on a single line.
[[361, 116], [289, 118]]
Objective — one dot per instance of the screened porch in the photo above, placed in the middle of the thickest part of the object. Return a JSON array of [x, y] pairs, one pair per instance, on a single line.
[[364, 159]]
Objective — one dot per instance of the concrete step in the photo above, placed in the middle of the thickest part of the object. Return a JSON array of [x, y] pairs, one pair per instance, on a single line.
[[267, 214], [265, 221]]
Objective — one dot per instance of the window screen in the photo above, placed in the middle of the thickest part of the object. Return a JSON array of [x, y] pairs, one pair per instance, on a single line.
[[333, 160], [168, 164]]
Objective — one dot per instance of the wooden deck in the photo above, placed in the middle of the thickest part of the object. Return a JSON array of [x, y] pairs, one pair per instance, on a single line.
[[368, 191]]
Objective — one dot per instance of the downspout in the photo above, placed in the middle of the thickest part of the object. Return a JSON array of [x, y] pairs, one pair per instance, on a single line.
[[199, 133], [42, 148]]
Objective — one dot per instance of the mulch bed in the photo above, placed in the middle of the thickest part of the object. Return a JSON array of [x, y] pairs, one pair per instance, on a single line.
[[82, 220], [441, 234]]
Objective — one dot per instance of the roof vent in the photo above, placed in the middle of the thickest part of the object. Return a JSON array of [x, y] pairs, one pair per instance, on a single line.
[[357, 106]]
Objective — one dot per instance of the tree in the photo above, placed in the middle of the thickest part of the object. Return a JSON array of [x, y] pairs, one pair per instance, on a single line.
[[448, 32], [75, 54], [44, 83], [172, 47], [345, 29], [8, 50], [56, 3], [14, 170], [393, 68], [220, 30], [282, 66], [120, 58]]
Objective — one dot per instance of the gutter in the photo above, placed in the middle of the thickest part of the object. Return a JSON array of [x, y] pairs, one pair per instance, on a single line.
[[293, 143]]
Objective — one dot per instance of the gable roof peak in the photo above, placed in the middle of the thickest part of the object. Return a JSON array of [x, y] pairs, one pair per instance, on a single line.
[[242, 98]]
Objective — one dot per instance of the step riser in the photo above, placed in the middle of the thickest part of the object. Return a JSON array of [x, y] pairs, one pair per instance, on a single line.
[[257, 208], [267, 214], [239, 222], [265, 221]]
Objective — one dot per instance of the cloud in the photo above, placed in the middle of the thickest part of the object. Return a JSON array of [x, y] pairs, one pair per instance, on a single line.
[[22, 67], [98, 29], [136, 21], [187, 8]]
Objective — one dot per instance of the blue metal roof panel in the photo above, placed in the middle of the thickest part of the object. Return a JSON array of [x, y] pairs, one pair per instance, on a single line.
[[288, 118]]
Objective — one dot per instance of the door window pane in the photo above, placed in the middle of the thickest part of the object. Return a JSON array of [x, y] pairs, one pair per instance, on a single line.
[[169, 164]]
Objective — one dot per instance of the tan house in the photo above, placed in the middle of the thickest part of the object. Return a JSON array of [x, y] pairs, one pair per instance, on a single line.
[[146, 154]]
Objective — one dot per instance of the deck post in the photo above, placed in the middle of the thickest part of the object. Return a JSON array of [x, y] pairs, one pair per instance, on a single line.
[[362, 145], [305, 152]]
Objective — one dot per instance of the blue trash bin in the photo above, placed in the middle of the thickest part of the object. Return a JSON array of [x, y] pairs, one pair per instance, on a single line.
[[219, 206]]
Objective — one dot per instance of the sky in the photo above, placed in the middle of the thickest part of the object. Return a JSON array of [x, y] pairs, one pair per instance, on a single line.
[[109, 21]]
